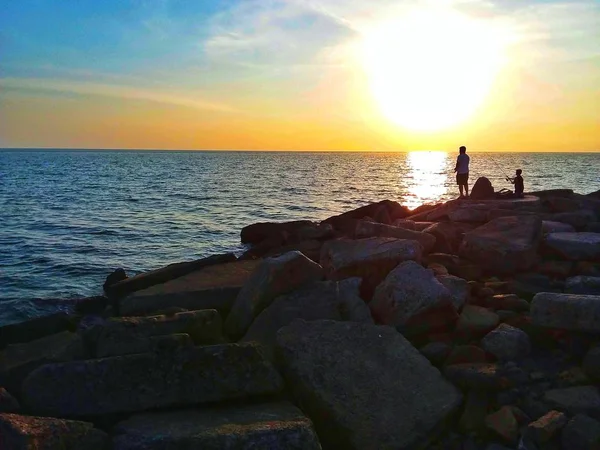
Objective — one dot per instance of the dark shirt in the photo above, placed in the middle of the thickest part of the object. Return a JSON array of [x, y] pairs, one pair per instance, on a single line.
[[519, 188]]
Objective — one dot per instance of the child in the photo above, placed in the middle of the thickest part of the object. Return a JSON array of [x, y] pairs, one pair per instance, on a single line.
[[518, 182]]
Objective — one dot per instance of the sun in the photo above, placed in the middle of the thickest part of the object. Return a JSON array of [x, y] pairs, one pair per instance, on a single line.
[[431, 69]]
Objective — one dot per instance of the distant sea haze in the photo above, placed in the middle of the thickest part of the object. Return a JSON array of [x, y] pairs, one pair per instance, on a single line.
[[70, 217]]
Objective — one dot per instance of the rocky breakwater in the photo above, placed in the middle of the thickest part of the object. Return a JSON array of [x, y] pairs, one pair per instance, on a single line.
[[473, 324]]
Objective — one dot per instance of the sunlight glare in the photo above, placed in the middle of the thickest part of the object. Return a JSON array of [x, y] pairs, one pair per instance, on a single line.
[[431, 69], [428, 173]]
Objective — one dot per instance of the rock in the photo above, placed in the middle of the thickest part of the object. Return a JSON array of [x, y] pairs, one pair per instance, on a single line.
[[507, 343], [436, 352], [370, 259], [575, 400], [583, 285], [555, 269], [408, 290], [574, 246], [444, 259], [7, 402], [420, 226], [211, 287], [591, 363], [459, 289], [593, 227], [46, 433], [473, 416], [548, 226], [566, 312], [18, 360], [370, 229], [257, 232], [481, 376], [438, 269], [383, 216], [273, 277], [470, 214], [314, 232], [145, 381], [587, 268], [164, 274], [504, 424], [505, 245], [447, 236], [475, 320], [204, 327], [394, 210], [560, 204], [509, 302], [404, 223], [581, 433], [577, 219], [482, 189], [318, 361], [546, 428], [496, 213], [90, 305], [470, 272], [528, 285], [278, 426], [333, 300], [133, 345], [34, 329], [465, 354], [114, 277]]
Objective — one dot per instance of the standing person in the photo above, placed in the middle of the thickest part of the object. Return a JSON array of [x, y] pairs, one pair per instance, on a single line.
[[462, 171], [518, 182]]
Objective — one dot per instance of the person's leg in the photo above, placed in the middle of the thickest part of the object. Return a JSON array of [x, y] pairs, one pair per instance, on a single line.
[[460, 188], [466, 188]]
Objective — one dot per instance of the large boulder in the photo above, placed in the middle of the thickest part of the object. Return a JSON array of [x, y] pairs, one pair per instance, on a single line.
[[574, 246], [393, 399], [277, 426], [370, 259], [575, 400], [408, 290], [333, 300], [447, 236], [146, 381], [47, 433], [476, 214], [581, 433], [507, 343], [273, 277], [548, 226], [164, 274], [131, 344], [583, 285], [504, 245], [366, 229], [257, 232], [459, 289], [35, 328], [577, 219], [482, 189], [393, 209], [566, 311], [212, 287]]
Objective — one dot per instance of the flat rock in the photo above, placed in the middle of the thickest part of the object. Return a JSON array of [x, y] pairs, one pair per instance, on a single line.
[[581, 433], [333, 300], [566, 311], [366, 229], [549, 226], [583, 285], [575, 400], [164, 274], [574, 246], [408, 290], [45, 433], [277, 426], [32, 329], [459, 289], [257, 232], [273, 277], [150, 380], [357, 406], [504, 245], [370, 259], [211, 287], [393, 209], [507, 343]]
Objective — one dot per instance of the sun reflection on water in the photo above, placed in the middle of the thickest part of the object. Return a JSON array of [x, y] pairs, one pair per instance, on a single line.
[[427, 178]]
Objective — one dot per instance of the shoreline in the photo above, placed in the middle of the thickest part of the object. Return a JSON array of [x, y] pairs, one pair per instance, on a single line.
[[472, 322]]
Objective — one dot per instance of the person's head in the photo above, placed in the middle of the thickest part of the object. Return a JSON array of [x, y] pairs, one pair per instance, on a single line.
[[519, 171], [462, 150]]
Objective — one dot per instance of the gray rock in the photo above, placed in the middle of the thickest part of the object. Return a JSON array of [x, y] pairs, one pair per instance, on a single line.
[[18, 360], [507, 343], [577, 219], [370, 259], [546, 427], [272, 278], [504, 245], [475, 320], [408, 290], [483, 376], [459, 289], [574, 246], [45, 433], [7, 402], [150, 380], [581, 433], [591, 363], [257, 232], [469, 214], [366, 229], [566, 311], [548, 226], [405, 223], [333, 300], [277, 426], [575, 400], [583, 285], [33, 329], [204, 327], [436, 352], [132, 344], [356, 406], [593, 227]]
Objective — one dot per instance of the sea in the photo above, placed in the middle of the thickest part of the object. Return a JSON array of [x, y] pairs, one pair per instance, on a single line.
[[70, 217]]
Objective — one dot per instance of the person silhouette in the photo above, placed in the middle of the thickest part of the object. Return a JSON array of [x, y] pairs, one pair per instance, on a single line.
[[518, 182], [462, 171]]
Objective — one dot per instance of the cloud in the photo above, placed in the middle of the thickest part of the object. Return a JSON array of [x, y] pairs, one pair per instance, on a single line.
[[114, 91]]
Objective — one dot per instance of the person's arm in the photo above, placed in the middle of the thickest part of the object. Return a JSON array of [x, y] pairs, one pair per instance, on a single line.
[[456, 167]]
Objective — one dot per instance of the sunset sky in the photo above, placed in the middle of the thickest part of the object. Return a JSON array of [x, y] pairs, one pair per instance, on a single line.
[[514, 75]]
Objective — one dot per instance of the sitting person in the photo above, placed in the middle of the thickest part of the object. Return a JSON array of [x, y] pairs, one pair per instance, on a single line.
[[518, 182]]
